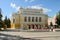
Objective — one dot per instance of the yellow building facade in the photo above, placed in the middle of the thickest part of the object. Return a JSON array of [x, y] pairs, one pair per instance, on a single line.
[[27, 18]]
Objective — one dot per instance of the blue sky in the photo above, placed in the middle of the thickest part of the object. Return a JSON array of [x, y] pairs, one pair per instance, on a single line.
[[51, 7]]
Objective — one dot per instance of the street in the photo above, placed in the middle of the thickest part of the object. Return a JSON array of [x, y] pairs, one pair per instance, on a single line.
[[33, 35]]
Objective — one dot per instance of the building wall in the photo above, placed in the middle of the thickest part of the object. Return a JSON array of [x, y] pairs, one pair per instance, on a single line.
[[52, 19], [19, 18]]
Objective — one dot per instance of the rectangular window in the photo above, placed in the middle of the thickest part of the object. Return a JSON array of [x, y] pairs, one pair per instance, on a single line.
[[29, 19], [32, 19], [36, 19], [39, 19], [13, 20], [25, 19]]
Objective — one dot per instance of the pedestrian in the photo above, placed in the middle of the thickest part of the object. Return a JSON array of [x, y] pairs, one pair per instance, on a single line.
[[51, 28]]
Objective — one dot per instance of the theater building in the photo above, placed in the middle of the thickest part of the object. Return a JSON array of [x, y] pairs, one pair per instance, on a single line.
[[27, 18]]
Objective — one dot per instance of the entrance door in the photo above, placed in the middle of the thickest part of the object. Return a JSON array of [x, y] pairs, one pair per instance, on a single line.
[[29, 26], [32, 26], [36, 26]]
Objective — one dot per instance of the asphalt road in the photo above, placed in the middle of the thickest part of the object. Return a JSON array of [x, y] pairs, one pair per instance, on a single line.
[[31, 35], [13, 37]]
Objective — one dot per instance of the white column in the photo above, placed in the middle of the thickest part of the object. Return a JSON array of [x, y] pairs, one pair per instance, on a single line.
[[38, 19], [35, 26], [31, 19], [27, 26], [38, 26], [27, 18], [34, 19], [31, 26]]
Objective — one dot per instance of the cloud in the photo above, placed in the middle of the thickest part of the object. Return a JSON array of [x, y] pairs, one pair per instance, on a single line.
[[35, 7], [17, 8], [26, 0], [45, 10], [29, 0], [13, 5]]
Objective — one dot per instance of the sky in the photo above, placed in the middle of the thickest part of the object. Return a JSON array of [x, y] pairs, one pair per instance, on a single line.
[[50, 7]]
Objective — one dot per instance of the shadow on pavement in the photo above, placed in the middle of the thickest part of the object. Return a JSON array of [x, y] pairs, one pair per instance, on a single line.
[[12, 37]]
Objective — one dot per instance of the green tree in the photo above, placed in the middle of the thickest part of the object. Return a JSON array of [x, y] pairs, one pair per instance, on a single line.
[[0, 16], [7, 22], [51, 24], [2, 24], [0, 19], [58, 18]]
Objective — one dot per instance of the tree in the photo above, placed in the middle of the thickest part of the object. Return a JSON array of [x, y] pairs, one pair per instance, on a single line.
[[58, 18], [7, 22], [2, 24], [51, 24], [0, 19], [0, 16]]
